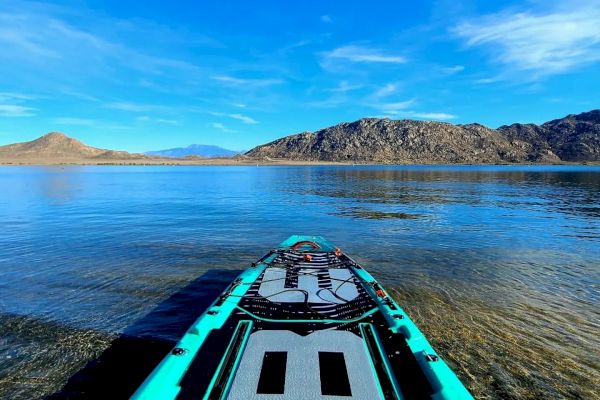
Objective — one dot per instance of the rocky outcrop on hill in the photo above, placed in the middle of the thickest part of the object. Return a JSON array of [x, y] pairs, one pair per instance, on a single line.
[[573, 138]]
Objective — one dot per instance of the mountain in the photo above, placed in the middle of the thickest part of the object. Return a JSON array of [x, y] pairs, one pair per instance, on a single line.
[[56, 146], [201, 150], [390, 141], [573, 138]]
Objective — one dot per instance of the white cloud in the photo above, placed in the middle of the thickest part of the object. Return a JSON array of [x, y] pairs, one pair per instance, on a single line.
[[146, 118], [167, 121], [433, 115], [420, 115], [544, 44], [401, 109], [135, 107], [343, 87], [13, 96], [240, 117], [73, 121], [325, 18], [39, 39], [243, 118], [386, 90], [394, 107], [233, 81], [453, 70], [13, 36], [363, 54], [295, 45], [16, 107], [221, 127], [330, 102], [126, 106], [12, 110], [486, 81], [79, 95]]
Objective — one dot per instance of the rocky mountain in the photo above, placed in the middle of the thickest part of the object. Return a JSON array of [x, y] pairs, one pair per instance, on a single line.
[[201, 150], [573, 138], [57, 146]]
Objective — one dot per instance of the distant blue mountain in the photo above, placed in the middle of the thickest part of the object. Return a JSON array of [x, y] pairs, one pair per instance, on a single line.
[[202, 150]]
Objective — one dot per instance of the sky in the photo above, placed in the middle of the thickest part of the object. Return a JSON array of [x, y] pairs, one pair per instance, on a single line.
[[151, 75]]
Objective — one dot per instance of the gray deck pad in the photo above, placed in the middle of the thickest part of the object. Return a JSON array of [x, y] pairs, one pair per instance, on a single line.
[[302, 374]]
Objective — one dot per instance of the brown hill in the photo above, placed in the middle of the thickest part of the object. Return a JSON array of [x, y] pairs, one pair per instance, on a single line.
[[573, 138], [389, 141], [57, 147]]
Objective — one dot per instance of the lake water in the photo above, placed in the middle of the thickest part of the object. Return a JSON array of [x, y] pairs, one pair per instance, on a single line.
[[499, 266]]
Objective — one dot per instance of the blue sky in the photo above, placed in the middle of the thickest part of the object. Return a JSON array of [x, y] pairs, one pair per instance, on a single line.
[[122, 75]]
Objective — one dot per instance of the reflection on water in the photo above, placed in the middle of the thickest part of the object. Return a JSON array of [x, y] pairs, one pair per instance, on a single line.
[[499, 266], [59, 187], [358, 212]]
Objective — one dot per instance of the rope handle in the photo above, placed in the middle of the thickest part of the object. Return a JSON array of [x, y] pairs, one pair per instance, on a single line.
[[305, 243]]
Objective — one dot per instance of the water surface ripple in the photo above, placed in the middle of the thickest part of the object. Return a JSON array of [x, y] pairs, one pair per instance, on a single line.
[[499, 266]]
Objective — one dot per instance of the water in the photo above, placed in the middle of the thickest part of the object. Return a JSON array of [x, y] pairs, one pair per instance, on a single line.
[[499, 266]]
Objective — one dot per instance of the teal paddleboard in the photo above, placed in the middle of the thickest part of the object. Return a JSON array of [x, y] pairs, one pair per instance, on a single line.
[[304, 322]]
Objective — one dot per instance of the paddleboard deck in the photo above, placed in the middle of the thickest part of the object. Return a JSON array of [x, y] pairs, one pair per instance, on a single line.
[[304, 322]]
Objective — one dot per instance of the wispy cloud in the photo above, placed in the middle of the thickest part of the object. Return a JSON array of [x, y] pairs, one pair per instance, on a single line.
[[221, 127], [544, 44], [146, 118], [343, 87], [240, 117], [390, 108], [79, 95], [486, 81], [135, 107], [167, 121], [14, 37], [13, 104], [13, 110], [402, 109], [331, 102], [13, 96], [245, 119], [40, 39], [233, 81], [453, 70], [438, 116], [386, 90], [433, 115], [363, 54], [325, 18]]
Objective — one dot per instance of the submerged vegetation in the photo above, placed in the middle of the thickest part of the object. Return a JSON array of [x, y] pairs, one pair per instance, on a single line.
[[492, 349]]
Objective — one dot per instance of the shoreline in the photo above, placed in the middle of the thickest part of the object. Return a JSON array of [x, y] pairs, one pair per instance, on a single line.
[[173, 162], [250, 162]]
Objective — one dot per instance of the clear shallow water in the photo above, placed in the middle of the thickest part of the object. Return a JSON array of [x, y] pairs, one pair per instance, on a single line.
[[499, 266]]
